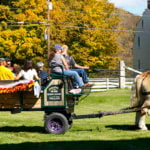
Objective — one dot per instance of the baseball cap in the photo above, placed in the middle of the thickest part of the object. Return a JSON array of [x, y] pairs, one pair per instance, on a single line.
[[39, 64], [7, 59], [2, 59], [57, 46]]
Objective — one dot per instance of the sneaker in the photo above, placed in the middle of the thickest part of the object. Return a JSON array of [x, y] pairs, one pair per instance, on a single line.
[[90, 84], [87, 85], [75, 91]]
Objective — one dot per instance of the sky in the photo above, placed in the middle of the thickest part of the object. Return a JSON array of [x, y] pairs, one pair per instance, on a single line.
[[136, 7]]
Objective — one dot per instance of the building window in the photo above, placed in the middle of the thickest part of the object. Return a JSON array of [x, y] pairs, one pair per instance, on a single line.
[[139, 42], [142, 24], [139, 64]]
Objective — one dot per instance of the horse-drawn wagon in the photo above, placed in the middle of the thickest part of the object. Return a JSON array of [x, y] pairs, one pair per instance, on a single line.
[[55, 100], [58, 102]]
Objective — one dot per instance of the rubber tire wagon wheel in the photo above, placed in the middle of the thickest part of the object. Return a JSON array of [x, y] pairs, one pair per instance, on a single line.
[[56, 123]]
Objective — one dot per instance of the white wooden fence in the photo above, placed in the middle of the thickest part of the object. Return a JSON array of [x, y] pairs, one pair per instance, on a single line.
[[104, 84]]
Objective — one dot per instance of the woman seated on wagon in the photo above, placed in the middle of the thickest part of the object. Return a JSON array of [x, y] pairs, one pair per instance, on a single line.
[[28, 73]]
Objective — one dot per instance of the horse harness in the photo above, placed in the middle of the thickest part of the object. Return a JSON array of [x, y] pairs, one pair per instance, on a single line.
[[143, 91]]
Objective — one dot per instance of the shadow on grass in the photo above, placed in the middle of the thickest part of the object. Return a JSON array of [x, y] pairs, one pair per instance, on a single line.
[[42, 130], [124, 127], [136, 144], [22, 129], [33, 129]]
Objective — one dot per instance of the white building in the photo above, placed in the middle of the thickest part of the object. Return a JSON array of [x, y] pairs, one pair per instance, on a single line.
[[141, 48]]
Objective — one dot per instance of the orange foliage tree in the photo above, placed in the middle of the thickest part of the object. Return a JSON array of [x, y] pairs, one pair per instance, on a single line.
[[87, 27]]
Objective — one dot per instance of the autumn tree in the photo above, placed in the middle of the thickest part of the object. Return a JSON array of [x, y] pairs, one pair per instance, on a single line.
[[22, 41], [87, 27]]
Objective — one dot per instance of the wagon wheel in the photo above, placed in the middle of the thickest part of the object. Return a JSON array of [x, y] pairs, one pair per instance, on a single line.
[[56, 123]]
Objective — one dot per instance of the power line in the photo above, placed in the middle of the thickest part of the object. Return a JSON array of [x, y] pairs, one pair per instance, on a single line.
[[78, 11], [95, 12], [95, 28], [45, 22], [79, 27], [22, 22], [15, 8]]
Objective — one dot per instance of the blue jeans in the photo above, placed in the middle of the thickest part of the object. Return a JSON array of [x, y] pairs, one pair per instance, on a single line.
[[82, 73], [75, 76]]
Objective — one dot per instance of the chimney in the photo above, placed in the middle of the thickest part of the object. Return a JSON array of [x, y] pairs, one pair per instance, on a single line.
[[148, 5]]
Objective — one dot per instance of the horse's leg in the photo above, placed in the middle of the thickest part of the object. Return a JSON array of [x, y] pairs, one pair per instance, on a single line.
[[141, 123]]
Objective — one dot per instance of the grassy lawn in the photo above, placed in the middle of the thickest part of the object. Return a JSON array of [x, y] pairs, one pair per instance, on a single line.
[[25, 130]]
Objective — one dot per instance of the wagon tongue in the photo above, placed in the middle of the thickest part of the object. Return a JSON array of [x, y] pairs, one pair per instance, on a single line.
[[101, 114], [74, 116]]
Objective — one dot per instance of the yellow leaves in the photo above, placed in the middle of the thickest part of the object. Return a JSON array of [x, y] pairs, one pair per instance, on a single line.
[[8, 46], [4, 11], [23, 42], [30, 15], [95, 61], [5, 34], [9, 34], [24, 3], [30, 43], [22, 32], [30, 10], [111, 62], [20, 17], [94, 47], [27, 49], [27, 45]]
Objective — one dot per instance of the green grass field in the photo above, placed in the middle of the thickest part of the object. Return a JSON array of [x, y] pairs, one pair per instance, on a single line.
[[25, 131]]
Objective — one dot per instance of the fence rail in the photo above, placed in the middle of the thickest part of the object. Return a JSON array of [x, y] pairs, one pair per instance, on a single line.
[[104, 84]]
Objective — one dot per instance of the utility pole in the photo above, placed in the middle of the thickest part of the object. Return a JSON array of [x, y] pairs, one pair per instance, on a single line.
[[49, 6]]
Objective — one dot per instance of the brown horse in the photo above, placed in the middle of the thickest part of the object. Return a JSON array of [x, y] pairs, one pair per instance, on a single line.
[[140, 97]]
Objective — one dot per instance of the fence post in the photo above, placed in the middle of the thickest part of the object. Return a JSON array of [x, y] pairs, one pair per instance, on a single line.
[[122, 75], [107, 83]]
